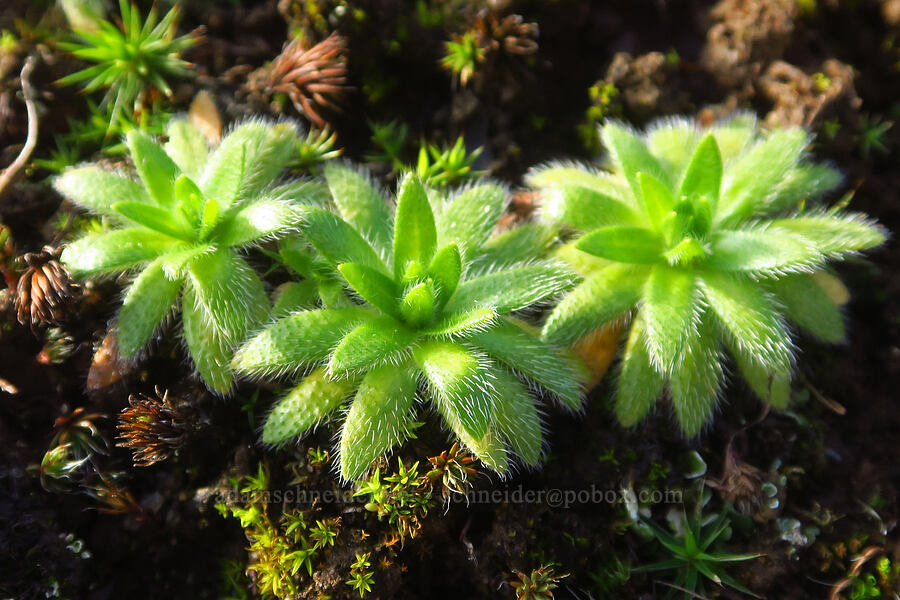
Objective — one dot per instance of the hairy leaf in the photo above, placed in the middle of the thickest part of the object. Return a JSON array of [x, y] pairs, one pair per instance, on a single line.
[[806, 303], [512, 289], [378, 419], [526, 353], [640, 384], [415, 236], [187, 147], [156, 218], [374, 341], [470, 216], [602, 297], [97, 189], [459, 384], [669, 313], [834, 235], [307, 404], [116, 250], [462, 324], [256, 221], [703, 176], [634, 245], [747, 313], [296, 340], [761, 251], [445, 270], [517, 416], [337, 241], [360, 204], [658, 200], [223, 300], [694, 382], [155, 168], [374, 287], [148, 300], [630, 153]]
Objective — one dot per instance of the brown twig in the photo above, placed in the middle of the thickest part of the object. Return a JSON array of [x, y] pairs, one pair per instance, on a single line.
[[10, 172]]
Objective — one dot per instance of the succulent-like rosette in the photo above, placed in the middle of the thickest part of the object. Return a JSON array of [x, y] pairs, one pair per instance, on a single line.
[[429, 313], [180, 228], [708, 241]]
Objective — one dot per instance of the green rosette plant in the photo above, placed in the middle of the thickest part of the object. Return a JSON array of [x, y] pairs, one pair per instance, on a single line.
[[428, 312], [180, 228], [707, 241]]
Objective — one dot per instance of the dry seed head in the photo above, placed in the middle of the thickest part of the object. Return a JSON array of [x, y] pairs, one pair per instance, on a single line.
[[45, 289], [314, 79], [153, 427]]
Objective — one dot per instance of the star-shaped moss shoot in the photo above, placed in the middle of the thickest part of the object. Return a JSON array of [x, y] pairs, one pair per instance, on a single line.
[[180, 228], [705, 238], [428, 315]]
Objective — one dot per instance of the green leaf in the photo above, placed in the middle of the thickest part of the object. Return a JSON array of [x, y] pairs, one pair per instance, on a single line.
[[297, 340], [336, 240], [155, 168], [462, 324], [295, 296], [513, 246], [747, 313], [305, 405], [807, 304], [639, 385], [602, 297], [415, 237], [761, 251], [379, 417], [517, 417], [526, 353], [360, 204], [459, 385], [673, 141], [97, 190], [246, 161], [703, 177], [374, 341], [417, 306], [148, 300], [560, 176], [445, 270], [694, 382], [670, 312], [753, 177], [623, 244], [189, 200], [632, 155], [771, 385], [116, 250], [658, 200], [375, 288], [489, 448], [155, 218], [585, 209], [256, 221], [470, 216], [512, 289], [834, 235], [224, 299], [803, 183], [187, 147]]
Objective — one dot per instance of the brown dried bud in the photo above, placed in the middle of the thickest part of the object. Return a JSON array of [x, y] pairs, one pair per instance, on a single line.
[[45, 289], [153, 427], [314, 79]]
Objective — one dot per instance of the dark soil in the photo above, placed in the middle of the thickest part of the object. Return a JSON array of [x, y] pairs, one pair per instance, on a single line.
[[837, 448]]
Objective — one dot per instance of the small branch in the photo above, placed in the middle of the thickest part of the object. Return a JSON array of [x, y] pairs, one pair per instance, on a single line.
[[9, 173]]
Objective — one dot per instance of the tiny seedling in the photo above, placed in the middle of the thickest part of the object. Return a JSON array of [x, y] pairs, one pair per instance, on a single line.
[[181, 227], [694, 556], [705, 240], [427, 312], [131, 58]]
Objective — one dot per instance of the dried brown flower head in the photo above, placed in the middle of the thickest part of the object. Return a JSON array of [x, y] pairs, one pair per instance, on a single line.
[[509, 33], [153, 427], [45, 289], [314, 79]]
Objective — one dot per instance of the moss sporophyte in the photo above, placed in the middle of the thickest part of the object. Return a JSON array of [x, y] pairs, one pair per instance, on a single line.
[[427, 309], [705, 240]]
